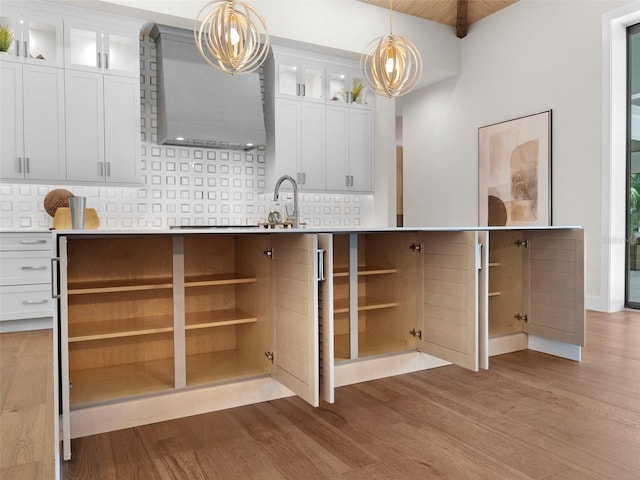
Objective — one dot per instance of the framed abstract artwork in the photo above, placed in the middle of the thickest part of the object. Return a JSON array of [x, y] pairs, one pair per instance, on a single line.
[[514, 172]]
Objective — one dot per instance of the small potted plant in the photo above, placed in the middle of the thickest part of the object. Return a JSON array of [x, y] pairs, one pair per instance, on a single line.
[[357, 90], [6, 38]]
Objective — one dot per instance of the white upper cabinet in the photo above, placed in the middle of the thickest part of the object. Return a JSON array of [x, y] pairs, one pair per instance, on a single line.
[[37, 38], [33, 122], [346, 87], [300, 80], [95, 47]]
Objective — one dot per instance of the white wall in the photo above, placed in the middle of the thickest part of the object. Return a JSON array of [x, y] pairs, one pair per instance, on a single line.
[[532, 56]]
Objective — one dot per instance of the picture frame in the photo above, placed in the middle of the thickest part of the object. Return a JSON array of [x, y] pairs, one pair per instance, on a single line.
[[514, 172]]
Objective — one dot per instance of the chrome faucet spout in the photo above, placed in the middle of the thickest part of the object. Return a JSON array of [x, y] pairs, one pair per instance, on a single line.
[[296, 213]]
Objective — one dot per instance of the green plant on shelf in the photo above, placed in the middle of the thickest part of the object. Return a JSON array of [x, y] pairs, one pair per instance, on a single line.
[[357, 90], [6, 37]]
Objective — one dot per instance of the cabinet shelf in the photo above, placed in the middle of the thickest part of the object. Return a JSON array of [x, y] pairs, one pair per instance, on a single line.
[[494, 294], [494, 264], [341, 305], [223, 365], [363, 271], [126, 327], [218, 279], [368, 345], [217, 318], [110, 286], [94, 385]]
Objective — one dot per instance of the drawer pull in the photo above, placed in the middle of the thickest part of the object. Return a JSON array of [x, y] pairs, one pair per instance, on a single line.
[[34, 267], [35, 302], [33, 242]]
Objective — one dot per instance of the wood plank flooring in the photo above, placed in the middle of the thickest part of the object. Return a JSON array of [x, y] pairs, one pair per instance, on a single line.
[[26, 406], [531, 416]]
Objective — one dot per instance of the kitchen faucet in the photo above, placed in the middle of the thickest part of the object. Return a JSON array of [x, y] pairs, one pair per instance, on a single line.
[[296, 213]]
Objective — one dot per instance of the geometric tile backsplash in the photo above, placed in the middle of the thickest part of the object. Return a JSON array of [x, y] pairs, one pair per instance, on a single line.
[[183, 185]]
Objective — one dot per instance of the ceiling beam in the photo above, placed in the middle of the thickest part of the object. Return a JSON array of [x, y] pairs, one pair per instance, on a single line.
[[461, 18]]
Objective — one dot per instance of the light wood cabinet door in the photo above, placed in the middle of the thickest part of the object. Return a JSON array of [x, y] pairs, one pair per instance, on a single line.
[[554, 285], [325, 319], [295, 314], [448, 310]]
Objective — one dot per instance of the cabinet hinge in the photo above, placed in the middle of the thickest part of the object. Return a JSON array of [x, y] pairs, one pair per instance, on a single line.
[[269, 356], [524, 318], [416, 247], [269, 253], [521, 243], [416, 333]]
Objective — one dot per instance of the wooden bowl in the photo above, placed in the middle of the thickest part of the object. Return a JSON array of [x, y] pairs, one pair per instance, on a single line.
[[62, 219]]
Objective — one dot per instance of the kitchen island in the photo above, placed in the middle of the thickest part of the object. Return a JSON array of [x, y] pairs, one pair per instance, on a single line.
[[160, 324]]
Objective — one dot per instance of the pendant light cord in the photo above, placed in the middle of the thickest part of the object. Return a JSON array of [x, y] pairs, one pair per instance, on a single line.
[[390, 21]]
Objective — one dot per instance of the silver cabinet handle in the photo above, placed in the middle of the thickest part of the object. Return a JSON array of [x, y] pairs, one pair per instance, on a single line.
[[352, 180], [19, 164], [17, 49], [99, 59], [101, 169], [347, 178], [27, 167], [297, 89], [34, 267], [304, 90], [32, 242], [304, 178], [25, 53], [54, 277], [108, 165], [35, 302], [106, 61]]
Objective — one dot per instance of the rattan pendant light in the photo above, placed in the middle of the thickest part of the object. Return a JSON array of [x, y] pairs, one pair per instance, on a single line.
[[227, 35], [391, 65]]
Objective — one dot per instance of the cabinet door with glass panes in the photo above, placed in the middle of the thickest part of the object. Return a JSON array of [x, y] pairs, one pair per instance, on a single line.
[[346, 87], [300, 80], [101, 48], [36, 39]]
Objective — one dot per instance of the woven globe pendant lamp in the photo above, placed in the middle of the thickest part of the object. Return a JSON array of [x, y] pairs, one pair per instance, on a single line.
[[391, 64], [227, 35]]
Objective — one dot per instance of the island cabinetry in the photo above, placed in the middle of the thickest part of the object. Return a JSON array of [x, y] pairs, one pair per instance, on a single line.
[[406, 291], [155, 327], [536, 291], [226, 308]]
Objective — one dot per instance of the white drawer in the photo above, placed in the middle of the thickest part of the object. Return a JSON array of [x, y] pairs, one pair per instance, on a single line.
[[17, 303], [24, 268], [26, 241]]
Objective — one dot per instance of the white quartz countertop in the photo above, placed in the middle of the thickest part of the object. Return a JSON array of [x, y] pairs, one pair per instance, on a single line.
[[258, 230]]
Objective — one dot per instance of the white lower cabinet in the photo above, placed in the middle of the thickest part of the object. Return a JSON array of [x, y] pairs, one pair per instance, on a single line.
[[32, 142], [25, 281], [103, 120], [163, 326]]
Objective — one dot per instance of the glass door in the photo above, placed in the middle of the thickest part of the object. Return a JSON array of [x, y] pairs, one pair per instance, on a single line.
[[633, 169]]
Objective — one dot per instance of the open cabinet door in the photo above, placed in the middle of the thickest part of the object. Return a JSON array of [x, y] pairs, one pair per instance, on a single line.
[[325, 310], [449, 307], [63, 325], [554, 285], [295, 314]]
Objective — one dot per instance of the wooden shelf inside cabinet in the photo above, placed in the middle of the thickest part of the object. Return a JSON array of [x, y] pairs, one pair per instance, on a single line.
[[364, 303], [494, 294], [340, 272], [368, 345], [126, 327], [367, 270], [218, 279], [494, 264], [217, 318], [223, 365], [94, 385], [110, 286]]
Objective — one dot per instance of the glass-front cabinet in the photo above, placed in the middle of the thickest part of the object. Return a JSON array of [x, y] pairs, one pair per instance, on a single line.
[[91, 47], [36, 40], [346, 87], [300, 80]]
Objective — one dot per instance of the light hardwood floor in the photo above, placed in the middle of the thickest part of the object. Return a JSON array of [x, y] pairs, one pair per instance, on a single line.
[[531, 416]]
